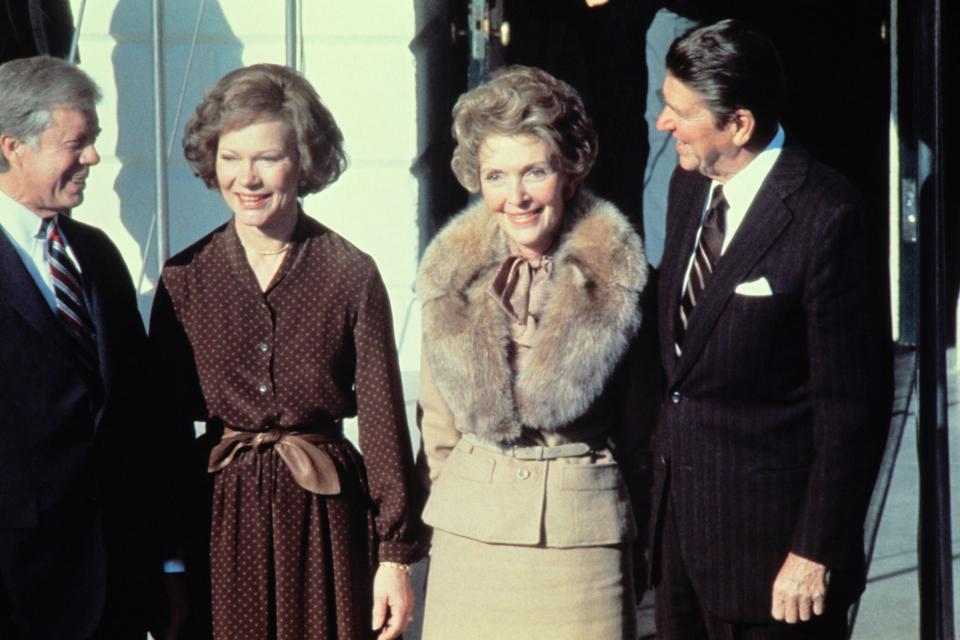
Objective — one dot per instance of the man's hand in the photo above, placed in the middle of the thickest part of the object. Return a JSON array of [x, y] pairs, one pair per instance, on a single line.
[[391, 592], [800, 590], [596, 3]]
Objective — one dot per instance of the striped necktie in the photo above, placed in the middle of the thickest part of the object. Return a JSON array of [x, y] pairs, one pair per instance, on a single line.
[[68, 291], [705, 260]]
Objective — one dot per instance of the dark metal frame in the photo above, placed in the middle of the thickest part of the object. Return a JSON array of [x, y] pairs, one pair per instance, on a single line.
[[934, 539]]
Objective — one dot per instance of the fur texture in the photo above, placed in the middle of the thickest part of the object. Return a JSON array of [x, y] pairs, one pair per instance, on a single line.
[[590, 317]]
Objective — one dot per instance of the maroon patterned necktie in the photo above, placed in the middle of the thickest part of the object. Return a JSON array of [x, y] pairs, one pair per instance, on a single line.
[[68, 291], [705, 260]]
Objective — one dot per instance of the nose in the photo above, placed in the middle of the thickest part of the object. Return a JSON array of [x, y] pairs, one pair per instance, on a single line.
[[665, 120], [90, 155], [248, 175], [518, 192]]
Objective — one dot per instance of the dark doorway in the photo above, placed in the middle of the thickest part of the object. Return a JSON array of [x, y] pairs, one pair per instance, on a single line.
[[35, 27]]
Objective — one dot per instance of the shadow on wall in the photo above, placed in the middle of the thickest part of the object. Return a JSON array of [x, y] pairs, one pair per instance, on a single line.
[[193, 210]]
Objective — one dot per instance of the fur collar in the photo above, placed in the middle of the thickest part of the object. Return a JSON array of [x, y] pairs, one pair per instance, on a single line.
[[586, 327]]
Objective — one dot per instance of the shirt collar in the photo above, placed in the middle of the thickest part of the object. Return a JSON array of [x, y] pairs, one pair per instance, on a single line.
[[22, 225], [742, 188]]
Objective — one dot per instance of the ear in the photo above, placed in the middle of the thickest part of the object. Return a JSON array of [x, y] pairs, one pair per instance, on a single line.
[[570, 188], [743, 125], [10, 147]]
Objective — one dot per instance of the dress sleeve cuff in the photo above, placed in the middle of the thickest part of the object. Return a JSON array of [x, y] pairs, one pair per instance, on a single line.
[[403, 552]]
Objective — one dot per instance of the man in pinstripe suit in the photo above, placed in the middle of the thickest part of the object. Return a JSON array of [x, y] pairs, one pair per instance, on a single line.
[[774, 333]]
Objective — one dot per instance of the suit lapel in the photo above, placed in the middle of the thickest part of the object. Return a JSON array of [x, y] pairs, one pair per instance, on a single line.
[[19, 291], [765, 220]]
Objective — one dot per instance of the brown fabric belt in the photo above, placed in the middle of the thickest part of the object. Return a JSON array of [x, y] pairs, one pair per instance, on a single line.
[[311, 466]]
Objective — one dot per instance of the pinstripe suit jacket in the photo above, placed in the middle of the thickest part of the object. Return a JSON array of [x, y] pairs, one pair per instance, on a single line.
[[777, 411]]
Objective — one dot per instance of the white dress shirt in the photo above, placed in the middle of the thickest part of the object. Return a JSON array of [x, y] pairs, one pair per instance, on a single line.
[[23, 228], [740, 191]]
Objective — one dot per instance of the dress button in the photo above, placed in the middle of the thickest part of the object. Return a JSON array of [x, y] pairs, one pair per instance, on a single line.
[[262, 388], [675, 397], [263, 346], [523, 474]]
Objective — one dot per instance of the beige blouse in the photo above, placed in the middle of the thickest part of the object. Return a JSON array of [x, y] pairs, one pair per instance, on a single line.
[[521, 288]]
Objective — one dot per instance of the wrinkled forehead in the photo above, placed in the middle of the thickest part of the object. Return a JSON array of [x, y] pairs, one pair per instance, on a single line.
[[80, 115]]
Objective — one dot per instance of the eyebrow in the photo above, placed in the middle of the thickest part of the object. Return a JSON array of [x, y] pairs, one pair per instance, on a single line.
[[264, 152], [672, 106], [526, 167], [88, 135]]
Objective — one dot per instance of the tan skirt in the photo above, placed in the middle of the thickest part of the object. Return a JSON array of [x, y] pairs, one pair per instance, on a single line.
[[481, 591]]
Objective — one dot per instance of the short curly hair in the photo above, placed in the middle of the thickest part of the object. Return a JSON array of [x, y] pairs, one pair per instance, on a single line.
[[263, 92], [518, 101]]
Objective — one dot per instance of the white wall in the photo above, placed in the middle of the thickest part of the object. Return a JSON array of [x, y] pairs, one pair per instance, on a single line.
[[355, 53]]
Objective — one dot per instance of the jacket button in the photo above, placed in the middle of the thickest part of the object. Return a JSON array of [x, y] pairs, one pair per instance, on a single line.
[[523, 474], [262, 388], [675, 397]]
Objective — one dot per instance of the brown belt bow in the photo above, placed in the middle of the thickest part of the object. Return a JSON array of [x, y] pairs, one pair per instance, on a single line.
[[312, 467]]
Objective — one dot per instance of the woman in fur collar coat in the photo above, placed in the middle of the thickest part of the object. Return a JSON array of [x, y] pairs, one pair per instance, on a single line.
[[530, 302]]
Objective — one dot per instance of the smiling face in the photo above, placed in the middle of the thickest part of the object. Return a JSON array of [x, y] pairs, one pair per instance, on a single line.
[[701, 145], [258, 173], [50, 174], [520, 185]]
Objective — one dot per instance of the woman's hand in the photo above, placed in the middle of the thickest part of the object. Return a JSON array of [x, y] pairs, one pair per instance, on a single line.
[[392, 601]]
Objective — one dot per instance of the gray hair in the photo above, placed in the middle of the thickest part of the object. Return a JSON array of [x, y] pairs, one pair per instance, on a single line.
[[33, 88]]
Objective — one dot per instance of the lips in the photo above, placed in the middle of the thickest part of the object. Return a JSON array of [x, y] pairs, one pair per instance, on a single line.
[[524, 218], [252, 200]]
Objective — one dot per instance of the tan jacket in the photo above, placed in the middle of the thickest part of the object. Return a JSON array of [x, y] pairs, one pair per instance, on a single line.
[[568, 389]]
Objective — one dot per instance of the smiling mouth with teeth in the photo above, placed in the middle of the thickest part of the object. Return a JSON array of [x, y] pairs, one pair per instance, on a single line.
[[252, 199], [524, 217]]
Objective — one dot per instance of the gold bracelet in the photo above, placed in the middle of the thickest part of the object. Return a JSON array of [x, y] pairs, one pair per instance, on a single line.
[[399, 566]]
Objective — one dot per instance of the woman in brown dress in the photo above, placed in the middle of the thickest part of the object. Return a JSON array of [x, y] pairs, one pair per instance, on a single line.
[[286, 329], [530, 302]]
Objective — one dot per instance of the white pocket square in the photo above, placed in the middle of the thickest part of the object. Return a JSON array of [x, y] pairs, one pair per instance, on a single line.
[[758, 287]]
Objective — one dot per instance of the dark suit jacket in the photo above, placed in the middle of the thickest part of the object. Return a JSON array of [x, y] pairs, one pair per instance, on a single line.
[[76, 484], [776, 414]]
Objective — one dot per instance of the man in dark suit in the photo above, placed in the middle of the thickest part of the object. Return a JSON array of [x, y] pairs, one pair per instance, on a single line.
[[79, 555], [774, 334]]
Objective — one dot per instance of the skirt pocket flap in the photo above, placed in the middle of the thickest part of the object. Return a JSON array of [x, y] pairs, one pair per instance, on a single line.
[[593, 477]]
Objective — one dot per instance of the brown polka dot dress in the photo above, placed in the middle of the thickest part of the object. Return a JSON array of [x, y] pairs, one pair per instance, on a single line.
[[315, 347]]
